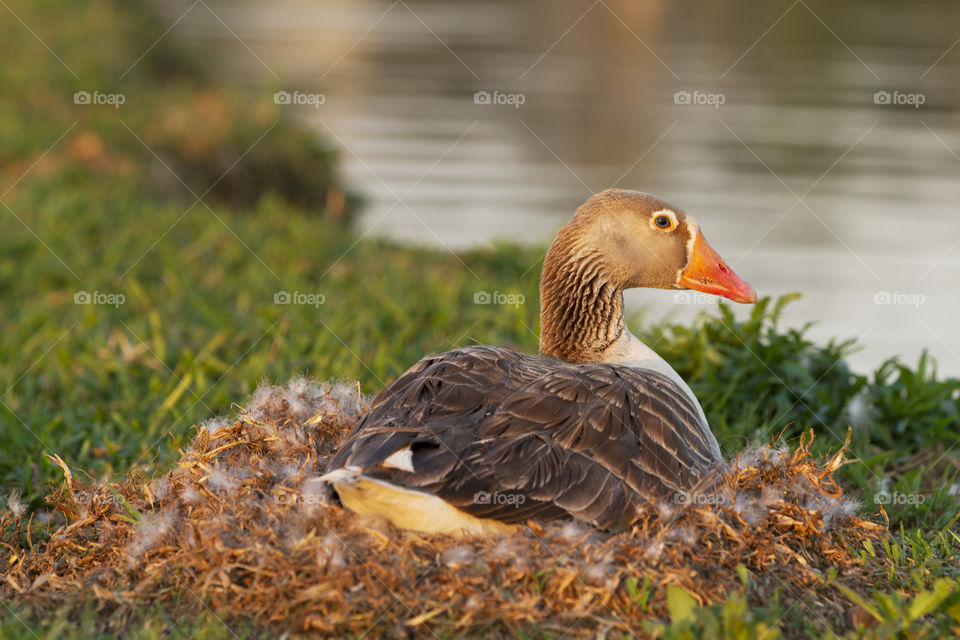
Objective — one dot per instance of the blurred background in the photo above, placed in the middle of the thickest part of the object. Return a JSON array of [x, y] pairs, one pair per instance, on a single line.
[[817, 143], [199, 195]]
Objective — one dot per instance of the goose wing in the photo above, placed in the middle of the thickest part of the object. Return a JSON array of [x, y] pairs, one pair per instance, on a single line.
[[510, 436]]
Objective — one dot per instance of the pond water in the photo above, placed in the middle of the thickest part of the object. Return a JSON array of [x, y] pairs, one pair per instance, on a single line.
[[818, 144]]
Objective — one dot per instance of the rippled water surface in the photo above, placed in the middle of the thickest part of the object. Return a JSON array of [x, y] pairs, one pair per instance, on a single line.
[[763, 119]]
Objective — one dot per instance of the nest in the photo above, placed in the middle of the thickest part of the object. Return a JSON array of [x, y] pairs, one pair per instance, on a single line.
[[242, 524]]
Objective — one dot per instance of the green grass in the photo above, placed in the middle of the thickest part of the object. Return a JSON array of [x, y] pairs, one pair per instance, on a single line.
[[112, 387], [149, 623], [757, 381]]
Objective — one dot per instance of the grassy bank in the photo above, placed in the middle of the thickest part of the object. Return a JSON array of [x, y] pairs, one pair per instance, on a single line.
[[132, 311]]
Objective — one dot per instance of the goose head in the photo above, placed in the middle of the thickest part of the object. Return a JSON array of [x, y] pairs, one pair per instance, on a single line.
[[618, 240], [642, 241]]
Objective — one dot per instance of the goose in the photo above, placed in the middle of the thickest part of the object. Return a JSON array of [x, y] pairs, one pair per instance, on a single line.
[[482, 439]]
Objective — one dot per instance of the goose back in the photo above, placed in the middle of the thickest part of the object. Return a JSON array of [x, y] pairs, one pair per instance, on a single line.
[[512, 436]]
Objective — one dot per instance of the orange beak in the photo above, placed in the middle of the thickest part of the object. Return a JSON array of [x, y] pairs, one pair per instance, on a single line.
[[707, 272]]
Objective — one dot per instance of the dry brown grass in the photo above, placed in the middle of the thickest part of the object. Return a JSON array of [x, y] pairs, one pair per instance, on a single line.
[[242, 523]]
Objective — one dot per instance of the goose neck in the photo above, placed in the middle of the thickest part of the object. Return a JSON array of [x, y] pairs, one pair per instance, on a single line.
[[581, 308]]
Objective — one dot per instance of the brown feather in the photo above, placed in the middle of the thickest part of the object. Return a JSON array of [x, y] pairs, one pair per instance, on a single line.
[[546, 438]]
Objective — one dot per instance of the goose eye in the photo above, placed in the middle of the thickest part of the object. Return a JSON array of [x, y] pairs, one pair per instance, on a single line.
[[663, 222]]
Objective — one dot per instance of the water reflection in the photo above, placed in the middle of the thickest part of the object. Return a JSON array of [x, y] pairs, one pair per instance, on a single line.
[[759, 118]]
